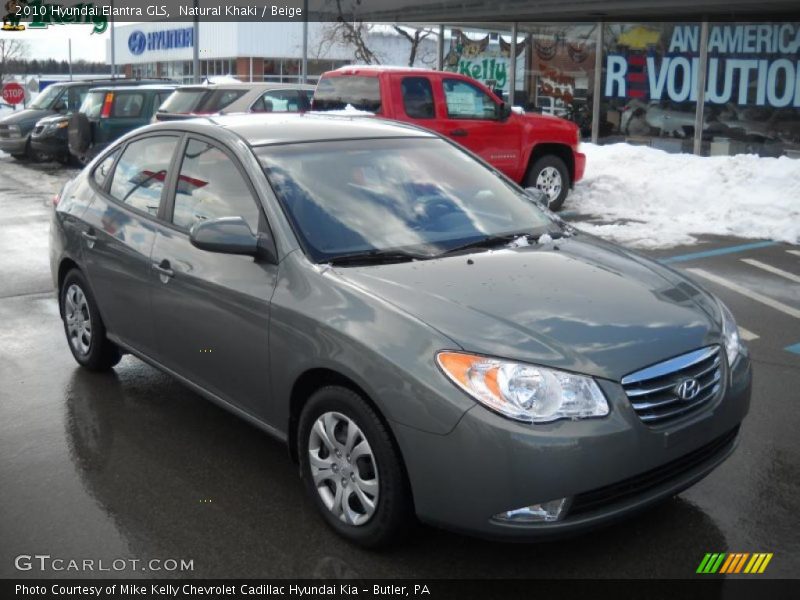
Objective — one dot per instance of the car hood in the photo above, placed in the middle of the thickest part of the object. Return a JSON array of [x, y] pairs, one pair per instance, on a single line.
[[578, 304], [27, 116], [52, 119]]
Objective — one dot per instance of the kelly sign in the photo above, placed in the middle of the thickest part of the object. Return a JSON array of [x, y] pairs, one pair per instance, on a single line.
[[748, 64], [13, 93]]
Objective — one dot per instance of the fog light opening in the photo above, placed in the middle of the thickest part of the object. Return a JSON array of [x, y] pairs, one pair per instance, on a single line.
[[544, 512]]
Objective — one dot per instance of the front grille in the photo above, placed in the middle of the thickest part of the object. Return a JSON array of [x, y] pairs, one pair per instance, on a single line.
[[654, 391], [4, 131], [640, 484]]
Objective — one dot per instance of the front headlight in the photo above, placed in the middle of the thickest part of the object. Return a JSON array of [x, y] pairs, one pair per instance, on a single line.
[[730, 334], [14, 130], [524, 392]]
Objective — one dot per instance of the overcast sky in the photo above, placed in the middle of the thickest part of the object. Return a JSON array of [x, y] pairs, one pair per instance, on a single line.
[[53, 42]]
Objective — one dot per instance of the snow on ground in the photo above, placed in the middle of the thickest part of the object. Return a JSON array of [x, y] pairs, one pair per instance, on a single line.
[[648, 198]]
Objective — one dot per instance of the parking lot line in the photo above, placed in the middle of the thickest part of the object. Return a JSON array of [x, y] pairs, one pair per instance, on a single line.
[[771, 269], [795, 252], [780, 306], [717, 252], [747, 335]]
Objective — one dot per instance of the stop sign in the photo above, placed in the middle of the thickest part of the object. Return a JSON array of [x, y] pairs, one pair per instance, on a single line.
[[13, 93]]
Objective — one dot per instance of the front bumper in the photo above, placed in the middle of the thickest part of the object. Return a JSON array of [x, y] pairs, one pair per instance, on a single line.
[[608, 467], [13, 145], [579, 158], [52, 144]]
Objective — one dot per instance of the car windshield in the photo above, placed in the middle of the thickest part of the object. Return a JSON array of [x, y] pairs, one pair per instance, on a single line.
[[200, 101], [46, 98], [339, 92], [183, 101], [420, 196], [93, 104]]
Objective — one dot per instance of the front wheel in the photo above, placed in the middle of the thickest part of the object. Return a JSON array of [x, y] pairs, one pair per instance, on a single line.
[[550, 175], [351, 468], [83, 326]]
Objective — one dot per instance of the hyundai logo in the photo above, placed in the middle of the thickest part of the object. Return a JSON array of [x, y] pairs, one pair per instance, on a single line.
[[688, 389], [137, 42]]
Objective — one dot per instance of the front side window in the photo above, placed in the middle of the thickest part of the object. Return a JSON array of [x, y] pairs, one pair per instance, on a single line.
[[142, 171], [278, 101], [210, 187], [466, 101], [419, 195], [127, 105], [418, 97]]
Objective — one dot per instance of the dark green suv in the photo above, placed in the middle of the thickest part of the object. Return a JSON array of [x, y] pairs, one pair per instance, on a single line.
[[108, 113]]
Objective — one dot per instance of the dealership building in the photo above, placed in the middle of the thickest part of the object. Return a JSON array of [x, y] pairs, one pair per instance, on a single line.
[[723, 79]]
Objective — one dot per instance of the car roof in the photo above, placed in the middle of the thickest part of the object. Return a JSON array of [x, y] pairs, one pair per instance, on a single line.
[[289, 128], [119, 81], [375, 69], [248, 86], [133, 88]]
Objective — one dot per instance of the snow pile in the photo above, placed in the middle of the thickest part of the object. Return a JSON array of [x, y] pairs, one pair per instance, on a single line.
[[649, 198], [348, 111]]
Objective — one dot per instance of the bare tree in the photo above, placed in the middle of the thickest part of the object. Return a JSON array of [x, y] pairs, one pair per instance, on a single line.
[[351, 32], [10, 51]]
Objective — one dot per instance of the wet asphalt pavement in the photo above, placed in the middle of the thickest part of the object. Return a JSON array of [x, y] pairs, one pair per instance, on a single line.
[[132, 465]]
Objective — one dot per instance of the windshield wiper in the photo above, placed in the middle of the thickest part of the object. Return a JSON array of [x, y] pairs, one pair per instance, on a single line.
[[375, 257], [493, 241]]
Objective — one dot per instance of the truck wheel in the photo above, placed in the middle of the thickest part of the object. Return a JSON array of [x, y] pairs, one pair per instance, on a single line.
[[550, 175]]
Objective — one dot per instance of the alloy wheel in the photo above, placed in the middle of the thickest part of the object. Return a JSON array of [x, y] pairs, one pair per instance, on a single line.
[[549, 181], [343, 468], [78, 319]]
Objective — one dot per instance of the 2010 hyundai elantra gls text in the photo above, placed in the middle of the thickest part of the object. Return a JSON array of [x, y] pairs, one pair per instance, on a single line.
[[426, 338]]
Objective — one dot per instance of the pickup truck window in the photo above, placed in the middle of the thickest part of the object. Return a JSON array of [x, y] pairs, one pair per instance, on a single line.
[[418, 97], [336, 93], [466, 101]]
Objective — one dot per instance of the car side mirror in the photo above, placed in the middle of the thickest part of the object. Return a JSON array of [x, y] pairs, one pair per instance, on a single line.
[[504, 111], [537, 196], [232, 235]]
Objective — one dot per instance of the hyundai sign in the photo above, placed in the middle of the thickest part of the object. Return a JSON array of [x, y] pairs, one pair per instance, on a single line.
[[168, 39]]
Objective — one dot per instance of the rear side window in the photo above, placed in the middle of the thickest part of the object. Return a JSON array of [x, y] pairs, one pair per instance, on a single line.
[[142, 171], [127, 105], [209, 187], [336, 93], [278, 101], [104, 168], [418, 97], [183, 101], [93, 104], [219, 99]]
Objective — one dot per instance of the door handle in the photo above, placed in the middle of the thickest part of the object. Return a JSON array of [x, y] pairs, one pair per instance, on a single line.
[[459, 133], [89, 237], [164, 270]]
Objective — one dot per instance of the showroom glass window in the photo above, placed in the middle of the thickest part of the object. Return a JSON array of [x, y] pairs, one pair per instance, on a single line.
[[142, 171], [210, 186], [648, 94], [559, 71]]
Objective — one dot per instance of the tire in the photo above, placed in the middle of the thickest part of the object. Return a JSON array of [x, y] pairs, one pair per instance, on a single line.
[[377, 473], [88, 344], [550, 174]]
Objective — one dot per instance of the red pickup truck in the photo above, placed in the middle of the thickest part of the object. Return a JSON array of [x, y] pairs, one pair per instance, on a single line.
[[533, 150]]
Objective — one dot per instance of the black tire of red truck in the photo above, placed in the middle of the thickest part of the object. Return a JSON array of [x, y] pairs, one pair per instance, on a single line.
[[549, 174]]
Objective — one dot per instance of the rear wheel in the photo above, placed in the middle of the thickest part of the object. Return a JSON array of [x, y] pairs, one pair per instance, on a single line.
[[550, 175], [351, 468], [83, 326]]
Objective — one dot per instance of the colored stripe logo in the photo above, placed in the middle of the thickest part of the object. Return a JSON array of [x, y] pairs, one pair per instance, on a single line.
[[734, 562]]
